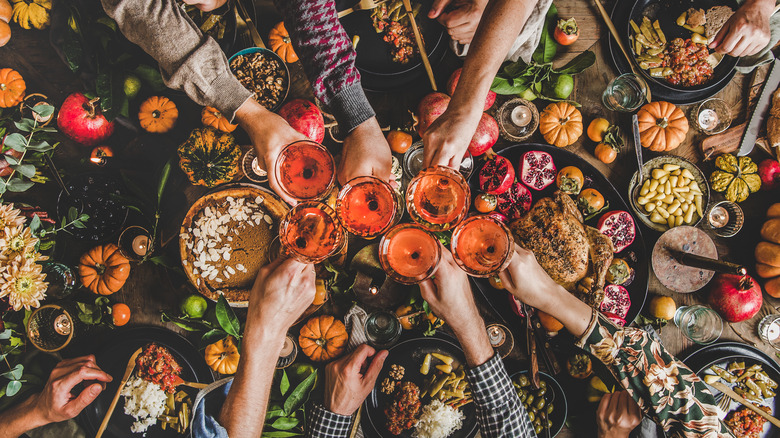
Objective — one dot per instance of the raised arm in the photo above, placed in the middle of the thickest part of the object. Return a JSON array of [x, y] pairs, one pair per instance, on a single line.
[[328, 58], [282, 292], [664, 388], [500, 412], [447, 139]]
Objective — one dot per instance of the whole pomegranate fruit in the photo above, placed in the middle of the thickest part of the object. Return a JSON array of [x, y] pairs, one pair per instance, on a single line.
[[485, 136], [82, 120], [734, 297], [452, 83], [305, 118], [429, 109], [769, 171]]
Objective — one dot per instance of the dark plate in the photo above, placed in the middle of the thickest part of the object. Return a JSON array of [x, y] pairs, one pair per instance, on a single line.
[[113, 357], [560, 411], [500, 301], [724, 352], [410, 354], [622, 13], [377, 70]]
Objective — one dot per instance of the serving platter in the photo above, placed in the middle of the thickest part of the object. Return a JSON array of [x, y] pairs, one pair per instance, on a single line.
[[624, 11], [377, 69], [721, 354], [410, 355], [561, 406], [112, 359], [499, 300]]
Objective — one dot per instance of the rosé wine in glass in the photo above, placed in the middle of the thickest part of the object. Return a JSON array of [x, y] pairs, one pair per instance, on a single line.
[[482, 246], [409, 254], [368, 206], [438, 198], [306, 170], [311, 233]]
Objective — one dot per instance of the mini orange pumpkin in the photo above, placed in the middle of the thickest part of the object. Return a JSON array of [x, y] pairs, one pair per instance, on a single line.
[[323, 338], [12, 88], [158, 114], [560, 124], [103, 269], [223, 356], [211, 116], [662, 126], [279, 40]]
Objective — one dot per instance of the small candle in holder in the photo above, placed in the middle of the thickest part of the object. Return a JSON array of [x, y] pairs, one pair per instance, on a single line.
[[718, 217], [288, 347], [288, 354], [100, 155], [521, 115], [141, 245]]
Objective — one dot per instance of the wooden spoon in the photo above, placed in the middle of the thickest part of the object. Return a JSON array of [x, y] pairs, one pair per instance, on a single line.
[[737, 398], [128, 372]]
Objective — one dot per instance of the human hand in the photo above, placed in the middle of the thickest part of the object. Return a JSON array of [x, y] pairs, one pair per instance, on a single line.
[[56, 403], [617, 415], [365, 153], [349, 380], [206, 5], [526, 279], [269, 134], [462, 18], [449, 295], [283, 290], [448, 137], [747, 31]]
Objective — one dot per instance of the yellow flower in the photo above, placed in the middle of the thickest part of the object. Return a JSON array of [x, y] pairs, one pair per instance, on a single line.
[[17, 242], [23, 283], [660, 377], [9, 218]]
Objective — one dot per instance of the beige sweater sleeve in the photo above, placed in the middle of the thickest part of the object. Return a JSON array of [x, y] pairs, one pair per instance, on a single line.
[[189, 61]]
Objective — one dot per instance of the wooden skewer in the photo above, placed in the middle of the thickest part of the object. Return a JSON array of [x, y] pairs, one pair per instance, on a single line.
[[128, 372], [736, 397], [614, 32], [420, 45]]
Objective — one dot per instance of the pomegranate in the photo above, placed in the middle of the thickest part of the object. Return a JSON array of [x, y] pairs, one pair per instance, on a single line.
[[515, 202], [452, 83], [769, 171], [82, 121], [499, 216], [485, 136], [734, 297], [305, 118], [429, 109], [618, 321], [496, 176], [616, 301], [516, 305], [619, 227], [537, 170]]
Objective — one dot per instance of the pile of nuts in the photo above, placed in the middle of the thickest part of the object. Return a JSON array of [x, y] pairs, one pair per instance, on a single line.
[[262, 74], [207, 239]]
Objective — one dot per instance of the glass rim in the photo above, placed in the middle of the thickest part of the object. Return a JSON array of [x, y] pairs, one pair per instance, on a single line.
[[287, 219], [396, 333], [383, 246], [450, 173], [508, 253], [354, 182], [70, 335], [331, 160]]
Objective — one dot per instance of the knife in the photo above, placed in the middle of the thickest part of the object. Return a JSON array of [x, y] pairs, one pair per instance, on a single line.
[[760, 111], [531, 342], [697, 261]]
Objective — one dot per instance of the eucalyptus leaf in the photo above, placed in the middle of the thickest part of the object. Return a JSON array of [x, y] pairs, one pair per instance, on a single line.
[[227, 318], [41, 146], [14, 373], [43, 111], [16, 142], [300, 394], [26, 125], [11, 159], [35, 225], [5, 334], [27, 170], [12, 388], [19, 185]]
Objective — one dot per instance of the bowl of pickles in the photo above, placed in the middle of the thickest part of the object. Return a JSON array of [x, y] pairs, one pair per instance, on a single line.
[[545, 405]]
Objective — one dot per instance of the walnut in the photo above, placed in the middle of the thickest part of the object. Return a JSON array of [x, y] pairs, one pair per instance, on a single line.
[[397, 372]]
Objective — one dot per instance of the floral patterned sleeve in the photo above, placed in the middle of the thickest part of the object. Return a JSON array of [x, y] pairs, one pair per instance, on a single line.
[[666, 389]]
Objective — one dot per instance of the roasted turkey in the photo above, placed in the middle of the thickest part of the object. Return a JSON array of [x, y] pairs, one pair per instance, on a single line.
[[566, 248]]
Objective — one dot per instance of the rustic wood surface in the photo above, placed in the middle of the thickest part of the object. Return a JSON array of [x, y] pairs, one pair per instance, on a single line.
[[150, 289]]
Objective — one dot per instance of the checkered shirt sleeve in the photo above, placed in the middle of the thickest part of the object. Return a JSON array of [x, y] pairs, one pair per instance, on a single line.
[[500, 412], [325, 424]]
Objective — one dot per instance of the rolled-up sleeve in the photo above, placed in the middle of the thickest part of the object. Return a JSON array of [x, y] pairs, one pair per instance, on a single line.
[[189, 61]]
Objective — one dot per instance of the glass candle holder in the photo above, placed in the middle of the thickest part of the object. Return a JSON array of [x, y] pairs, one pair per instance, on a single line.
[[368, 206], [713, 116], [438, 198], [306, 170], [135, 243], [250, 165], [413, 162], [700, 324], [517, 119], [482, 246], [61, 280], [288, 354], [51, 328], [311, 233], [725, 218], [409, 254]]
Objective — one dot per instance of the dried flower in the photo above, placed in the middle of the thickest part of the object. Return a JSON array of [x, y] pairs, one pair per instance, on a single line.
[[10, 218], [23, 283]]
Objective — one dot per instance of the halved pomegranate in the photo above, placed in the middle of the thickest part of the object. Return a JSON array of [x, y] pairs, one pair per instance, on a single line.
[[618, 321], [616, 301], [515, 202], [496, 176], [499, 216], [619, 226], [537, 170]]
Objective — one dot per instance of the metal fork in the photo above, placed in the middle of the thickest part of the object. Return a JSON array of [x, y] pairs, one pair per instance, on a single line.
[[361, 6]]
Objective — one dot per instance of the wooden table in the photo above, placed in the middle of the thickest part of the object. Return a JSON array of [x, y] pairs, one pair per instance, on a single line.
[[150, 290]]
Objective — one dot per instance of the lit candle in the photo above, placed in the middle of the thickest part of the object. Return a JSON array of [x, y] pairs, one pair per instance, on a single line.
[[257, 169], [719, 217], [288, 347], [141, 245], [521, 115]]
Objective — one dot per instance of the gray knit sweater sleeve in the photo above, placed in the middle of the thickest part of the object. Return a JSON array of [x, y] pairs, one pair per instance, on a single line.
[[189, 61]]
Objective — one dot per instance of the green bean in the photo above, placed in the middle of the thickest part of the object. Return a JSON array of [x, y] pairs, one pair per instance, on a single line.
[[752, 386], [723, 374]]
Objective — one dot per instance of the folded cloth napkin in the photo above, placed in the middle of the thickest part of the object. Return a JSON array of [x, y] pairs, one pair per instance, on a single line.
[[355, 321], [526, 42]]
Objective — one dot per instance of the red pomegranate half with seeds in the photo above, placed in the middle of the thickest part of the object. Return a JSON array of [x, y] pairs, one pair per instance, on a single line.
[[82, 120], [616, 301], [619, 227], [496, 176], [537, 170], [515, 202], [305, 118]]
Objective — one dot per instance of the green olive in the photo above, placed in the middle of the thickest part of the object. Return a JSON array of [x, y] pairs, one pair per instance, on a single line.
[[523, 396], [539, 404], [531, 416], [537, 429], [549, 424], [541, 391], [530, 399], [550, 408], [523, 380], [542, 384]]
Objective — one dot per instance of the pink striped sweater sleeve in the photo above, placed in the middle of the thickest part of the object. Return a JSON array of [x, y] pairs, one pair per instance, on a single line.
[[328, 58]]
